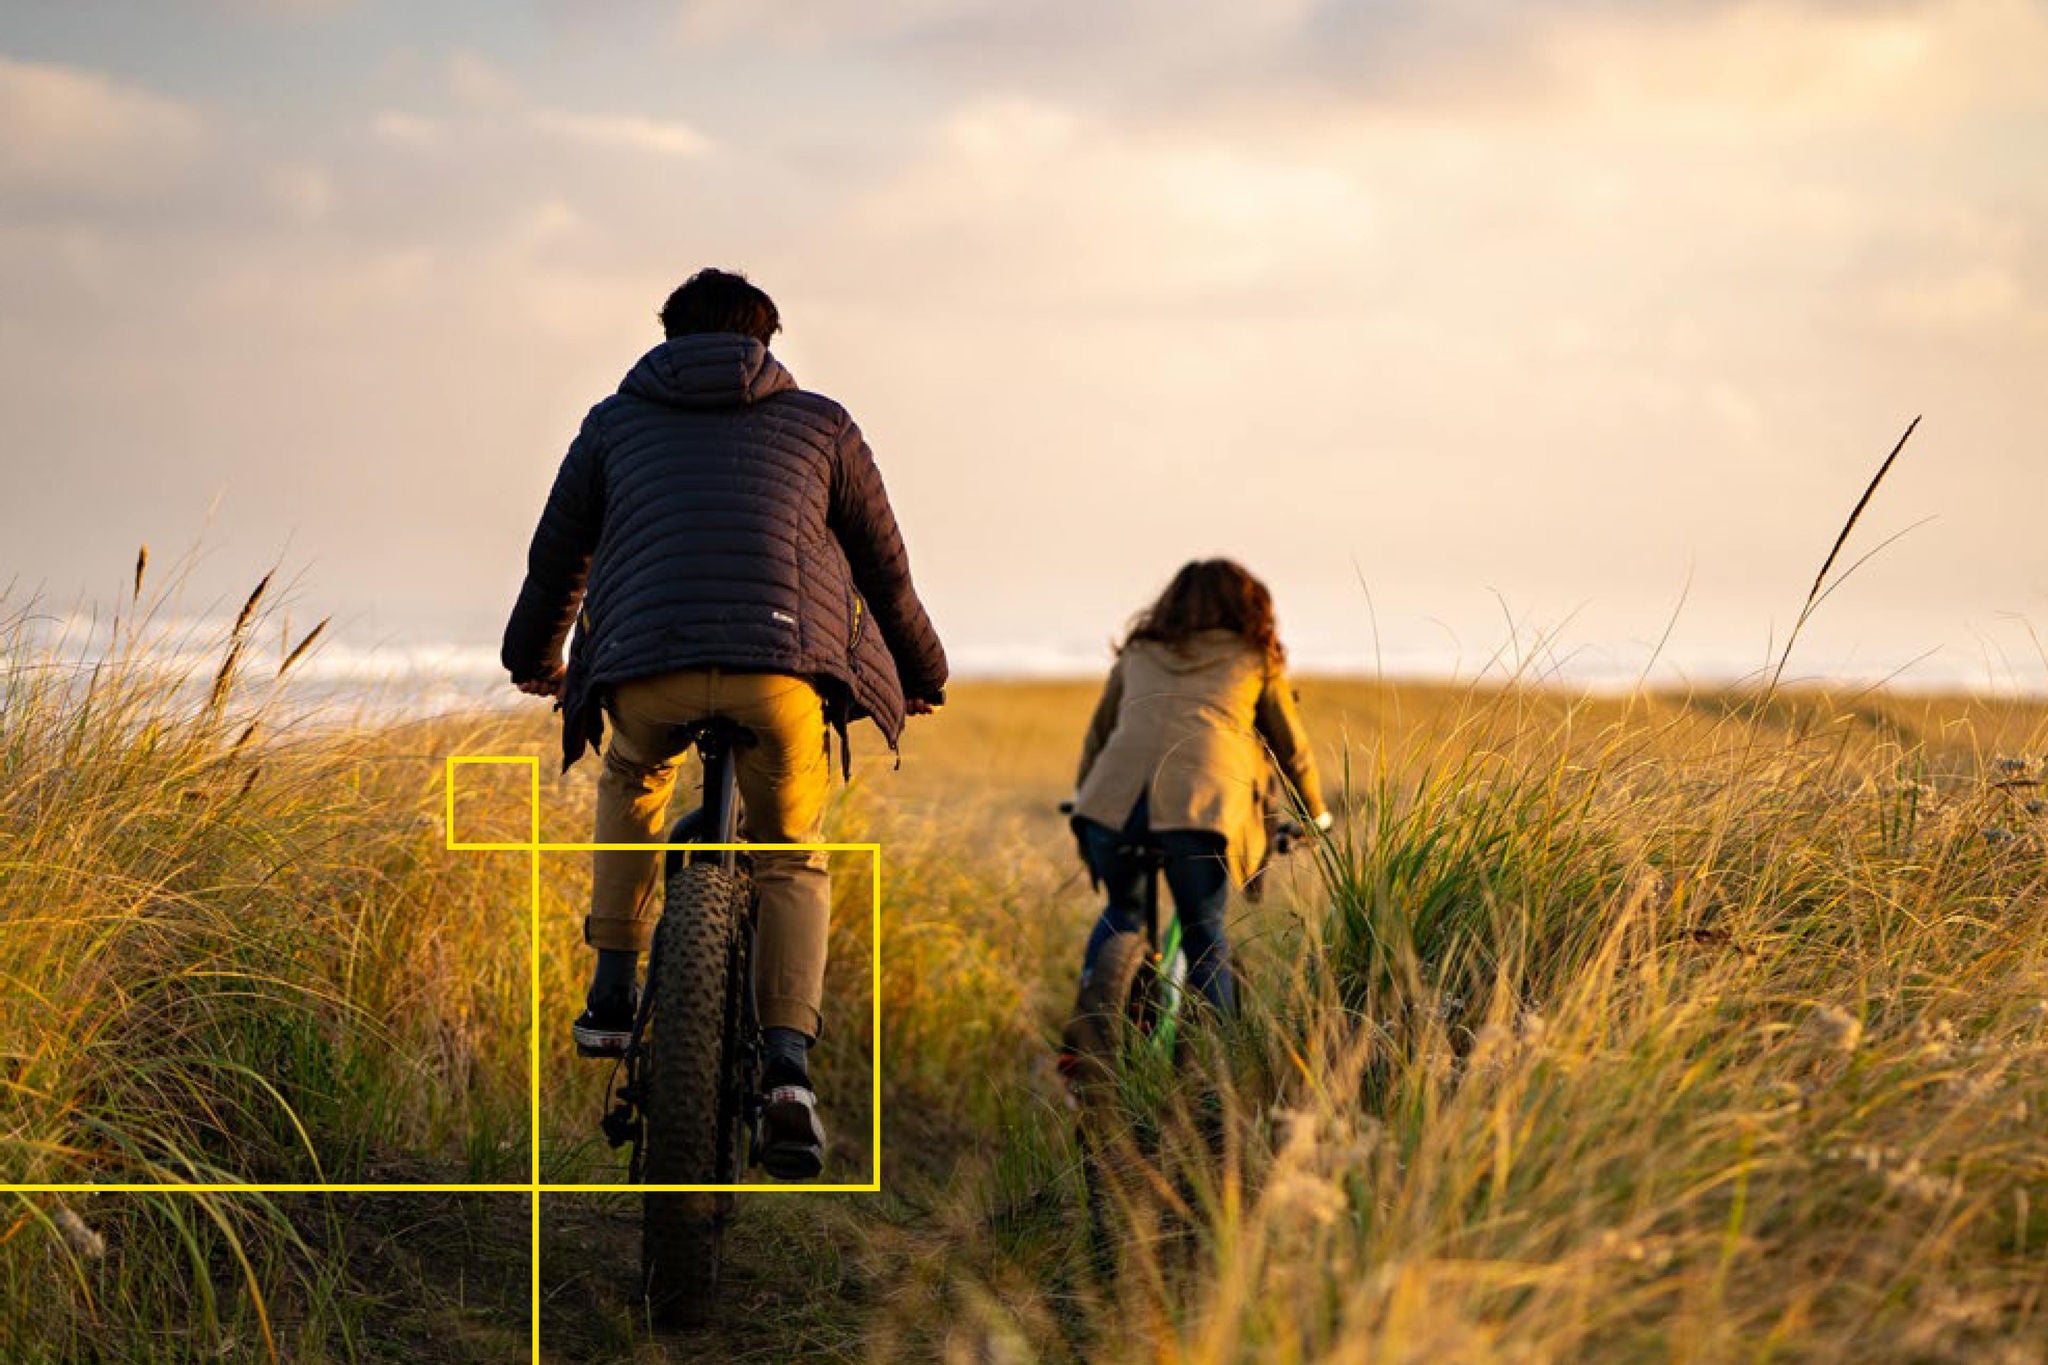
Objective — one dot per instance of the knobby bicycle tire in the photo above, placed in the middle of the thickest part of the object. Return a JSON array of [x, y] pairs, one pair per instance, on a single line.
[[1123, 1005], [696, 1121], [1122, 996]]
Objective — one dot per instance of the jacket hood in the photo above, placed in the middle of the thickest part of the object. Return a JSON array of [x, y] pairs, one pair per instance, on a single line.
[[1203, 650], [707, 370]]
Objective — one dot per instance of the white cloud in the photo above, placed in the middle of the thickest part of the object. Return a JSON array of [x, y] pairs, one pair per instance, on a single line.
[[480, 84], [1965, 301], [415, 131], [1760, 62], [810, 22], [545, 224], [305, 193], [285, 7], [70, 128], [1070, 201], [629, 132]]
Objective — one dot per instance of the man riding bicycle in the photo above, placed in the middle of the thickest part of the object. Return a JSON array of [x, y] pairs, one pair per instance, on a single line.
[[734, 553]]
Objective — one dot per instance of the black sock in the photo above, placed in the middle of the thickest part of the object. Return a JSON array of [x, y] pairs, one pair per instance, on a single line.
[[615, 973], [783, 1059]]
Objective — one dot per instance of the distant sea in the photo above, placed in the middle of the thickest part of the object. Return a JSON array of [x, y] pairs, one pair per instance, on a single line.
[[344, 679], [432, 679]]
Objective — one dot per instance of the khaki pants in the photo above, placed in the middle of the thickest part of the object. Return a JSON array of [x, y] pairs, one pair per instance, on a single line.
[[783, 779]]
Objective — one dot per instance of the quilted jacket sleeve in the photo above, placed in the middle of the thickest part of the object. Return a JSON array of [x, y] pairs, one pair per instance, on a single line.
[[866, 527], [557, 563]]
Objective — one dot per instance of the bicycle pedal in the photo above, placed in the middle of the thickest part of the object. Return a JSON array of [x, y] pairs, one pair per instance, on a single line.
[[621, 1125]]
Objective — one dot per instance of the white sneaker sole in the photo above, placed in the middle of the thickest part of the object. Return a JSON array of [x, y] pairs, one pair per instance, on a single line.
[[592, 1042], [789, 1108]]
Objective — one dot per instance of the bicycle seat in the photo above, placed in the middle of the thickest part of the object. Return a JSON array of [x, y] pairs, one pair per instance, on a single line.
[[713, 733], [1137, 843]]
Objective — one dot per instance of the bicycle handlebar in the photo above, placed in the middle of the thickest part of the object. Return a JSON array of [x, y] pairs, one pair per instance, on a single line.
[[1286, 833]]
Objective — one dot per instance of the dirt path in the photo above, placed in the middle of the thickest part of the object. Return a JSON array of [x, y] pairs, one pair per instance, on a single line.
[[445, 1278], [439, 1277], [803, 1276]]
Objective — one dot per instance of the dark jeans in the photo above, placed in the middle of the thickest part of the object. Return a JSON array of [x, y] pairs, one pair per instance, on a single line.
[[1197, 875]]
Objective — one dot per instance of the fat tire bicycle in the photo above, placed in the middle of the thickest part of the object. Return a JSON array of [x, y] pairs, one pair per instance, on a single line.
[[1136, 992], [690, 1106], [1132, 1003]]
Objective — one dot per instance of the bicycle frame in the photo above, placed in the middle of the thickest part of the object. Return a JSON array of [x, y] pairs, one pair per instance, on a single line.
[[716, 821], [1169, 963]]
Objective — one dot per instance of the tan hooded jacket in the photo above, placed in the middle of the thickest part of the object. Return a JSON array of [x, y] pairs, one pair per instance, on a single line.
[[1192, 727]]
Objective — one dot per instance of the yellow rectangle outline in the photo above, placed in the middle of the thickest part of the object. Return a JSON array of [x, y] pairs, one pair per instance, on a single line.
[[528, 761], [535, 847], [535, 1187], [874, 1186]]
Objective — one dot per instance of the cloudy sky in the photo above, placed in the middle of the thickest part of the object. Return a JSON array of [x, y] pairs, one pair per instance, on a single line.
[[1472, 320]]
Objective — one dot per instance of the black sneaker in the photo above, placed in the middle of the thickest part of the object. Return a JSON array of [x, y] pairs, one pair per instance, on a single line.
[[606, 1026], [792, 1138]]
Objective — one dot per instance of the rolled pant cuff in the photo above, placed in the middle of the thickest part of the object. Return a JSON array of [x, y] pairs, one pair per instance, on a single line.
[[618, 935], [781, 1011]]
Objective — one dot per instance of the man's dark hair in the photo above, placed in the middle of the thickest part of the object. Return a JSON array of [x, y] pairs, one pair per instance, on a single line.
[[720, 301]]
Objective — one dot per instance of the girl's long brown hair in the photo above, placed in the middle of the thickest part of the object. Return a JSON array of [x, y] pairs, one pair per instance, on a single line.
[[1212, 594]]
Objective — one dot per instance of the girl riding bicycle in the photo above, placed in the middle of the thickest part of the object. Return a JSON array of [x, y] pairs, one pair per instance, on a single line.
[[1177, 757]]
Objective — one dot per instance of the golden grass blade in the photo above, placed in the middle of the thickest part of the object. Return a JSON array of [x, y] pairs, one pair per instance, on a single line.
[[1856, 513], [242, 740], [1814, 593], [299, 651], [224, 679], [248, 611]]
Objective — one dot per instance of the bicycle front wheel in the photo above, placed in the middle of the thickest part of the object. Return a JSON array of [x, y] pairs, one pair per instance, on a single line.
[[696, 1095]]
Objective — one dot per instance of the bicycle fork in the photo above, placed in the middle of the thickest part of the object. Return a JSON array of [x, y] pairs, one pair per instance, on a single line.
[[1166, 949], [720, 818], [716, 821], [721, 811]]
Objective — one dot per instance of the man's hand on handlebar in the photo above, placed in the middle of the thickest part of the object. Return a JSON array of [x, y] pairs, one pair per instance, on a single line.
[[549, 684]]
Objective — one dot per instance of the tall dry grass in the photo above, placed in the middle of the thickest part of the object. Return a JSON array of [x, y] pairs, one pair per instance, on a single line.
[[232, 950], [1662, 1028], [1703, 1026]]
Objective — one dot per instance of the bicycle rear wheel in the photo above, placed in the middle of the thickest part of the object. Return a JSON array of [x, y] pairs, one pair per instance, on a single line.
[[1132, 994], [696, 1092], [1129, 1003]]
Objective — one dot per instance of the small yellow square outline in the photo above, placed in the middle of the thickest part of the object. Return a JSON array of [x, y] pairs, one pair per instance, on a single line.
[[527, 761]]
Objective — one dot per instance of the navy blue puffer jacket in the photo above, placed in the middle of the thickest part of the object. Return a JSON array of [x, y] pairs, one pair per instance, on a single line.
[[712, 514]]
